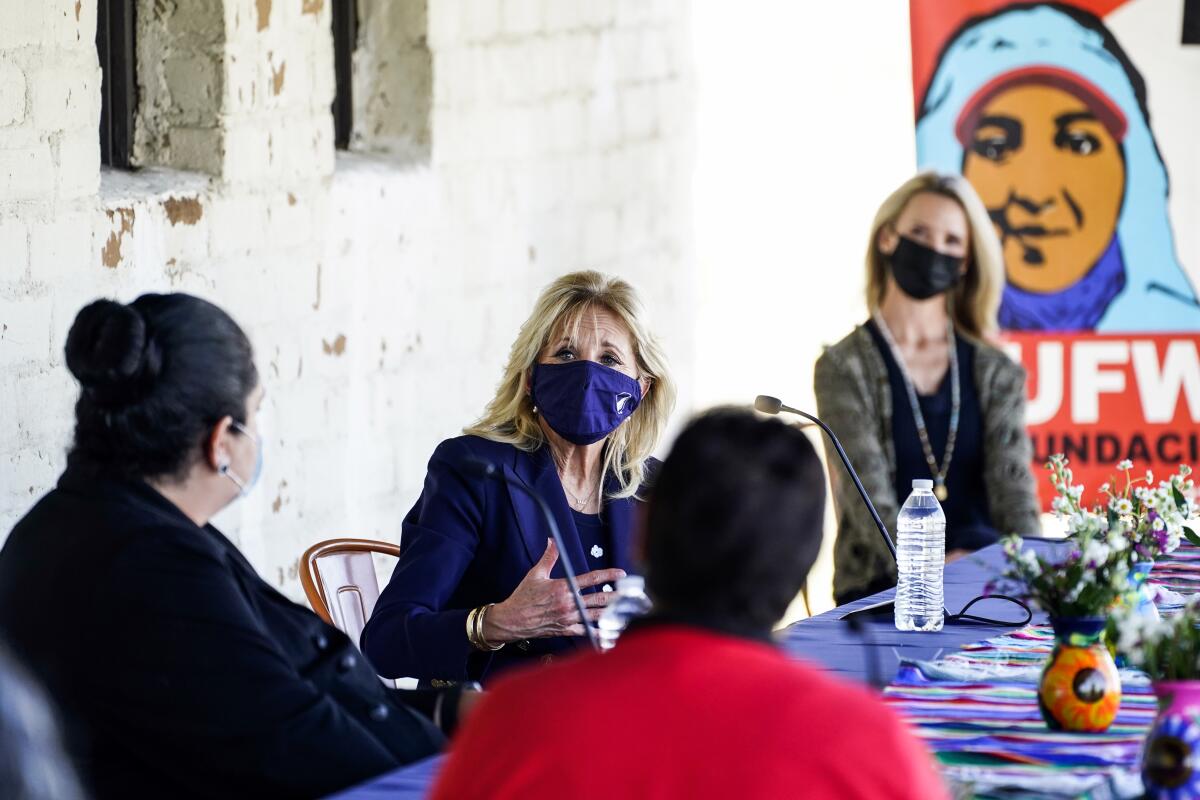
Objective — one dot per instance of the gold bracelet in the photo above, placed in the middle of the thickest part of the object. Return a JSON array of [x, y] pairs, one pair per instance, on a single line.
[[471, 628], [480, 641]]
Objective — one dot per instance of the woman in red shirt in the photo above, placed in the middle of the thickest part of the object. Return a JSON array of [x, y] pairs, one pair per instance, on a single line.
[[695, 701]]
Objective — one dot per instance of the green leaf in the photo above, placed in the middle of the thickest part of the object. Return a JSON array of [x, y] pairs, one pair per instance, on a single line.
[[1180, 501], [1191, 535]]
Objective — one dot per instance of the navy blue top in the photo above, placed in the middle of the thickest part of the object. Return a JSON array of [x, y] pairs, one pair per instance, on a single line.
[[594, 537], [968, 523], [470, 540]]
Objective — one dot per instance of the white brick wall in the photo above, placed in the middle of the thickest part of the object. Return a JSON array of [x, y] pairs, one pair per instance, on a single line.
[[382, 296]]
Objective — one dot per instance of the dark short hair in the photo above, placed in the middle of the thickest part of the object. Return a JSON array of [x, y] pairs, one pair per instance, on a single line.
[[734, 519], [155, 376]]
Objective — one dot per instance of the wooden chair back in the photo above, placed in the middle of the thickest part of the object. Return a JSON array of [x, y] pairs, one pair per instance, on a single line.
[[338, 576]]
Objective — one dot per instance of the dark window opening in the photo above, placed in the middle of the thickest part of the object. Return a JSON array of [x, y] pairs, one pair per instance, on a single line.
[[1191, 22], [118, 81], [345, 38]]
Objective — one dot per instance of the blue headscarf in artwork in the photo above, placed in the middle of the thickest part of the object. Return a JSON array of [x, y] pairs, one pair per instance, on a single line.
[[1138, 284]]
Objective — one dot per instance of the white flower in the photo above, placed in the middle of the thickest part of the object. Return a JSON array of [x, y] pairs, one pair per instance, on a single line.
[[1124, 465], [1130, 631], [1095, 553], [1149, 500], [1077, 492], [1185, 470], [1104, 488], [1149, 476], [1158, 524], [1123, 507]]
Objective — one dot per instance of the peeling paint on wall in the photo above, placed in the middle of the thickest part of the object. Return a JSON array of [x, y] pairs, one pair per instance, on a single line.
[[279, 501], [277, 78], [264, 13], [337, 348], [111, 254], [183, 210]]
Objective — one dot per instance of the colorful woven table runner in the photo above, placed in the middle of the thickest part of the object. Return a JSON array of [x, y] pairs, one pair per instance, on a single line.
[[977, 710]]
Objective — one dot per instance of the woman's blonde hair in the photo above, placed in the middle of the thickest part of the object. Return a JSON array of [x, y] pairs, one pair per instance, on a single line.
[[510, 417], [973, 303]]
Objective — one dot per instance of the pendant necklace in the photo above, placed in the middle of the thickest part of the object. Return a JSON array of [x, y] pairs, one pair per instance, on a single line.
[[938, 473], [579, 504]]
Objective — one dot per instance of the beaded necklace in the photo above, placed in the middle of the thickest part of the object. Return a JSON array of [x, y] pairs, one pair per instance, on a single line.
[[938, 472]]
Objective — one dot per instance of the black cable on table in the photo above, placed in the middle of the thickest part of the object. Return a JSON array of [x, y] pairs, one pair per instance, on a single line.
[[963, 616]]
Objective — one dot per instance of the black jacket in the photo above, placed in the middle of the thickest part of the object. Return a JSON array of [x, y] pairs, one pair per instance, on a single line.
[[178, 671]]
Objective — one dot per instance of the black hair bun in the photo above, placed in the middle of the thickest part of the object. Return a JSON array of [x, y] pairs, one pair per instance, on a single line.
[[109, 351]]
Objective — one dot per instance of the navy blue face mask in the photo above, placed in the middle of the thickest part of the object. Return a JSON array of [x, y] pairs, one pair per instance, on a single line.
[[583, 401]]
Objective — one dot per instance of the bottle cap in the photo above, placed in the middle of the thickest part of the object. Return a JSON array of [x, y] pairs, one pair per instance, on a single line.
[[632, 582], [925, 484]]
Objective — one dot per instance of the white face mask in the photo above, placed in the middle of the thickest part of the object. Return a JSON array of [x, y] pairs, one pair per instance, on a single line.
[[244, 486]]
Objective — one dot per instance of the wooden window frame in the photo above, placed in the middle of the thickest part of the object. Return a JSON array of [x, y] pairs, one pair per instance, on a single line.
[[345, 40], [116, 48], [1191, 21]]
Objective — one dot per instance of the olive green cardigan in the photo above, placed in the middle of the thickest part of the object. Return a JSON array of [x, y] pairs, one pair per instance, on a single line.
[[854, 398]]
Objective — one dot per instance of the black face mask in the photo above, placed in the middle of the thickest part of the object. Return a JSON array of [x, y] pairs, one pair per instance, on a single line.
[[922, 272]]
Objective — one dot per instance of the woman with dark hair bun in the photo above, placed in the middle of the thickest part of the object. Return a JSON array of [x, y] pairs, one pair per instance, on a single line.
[[156, 375], [178, 670]]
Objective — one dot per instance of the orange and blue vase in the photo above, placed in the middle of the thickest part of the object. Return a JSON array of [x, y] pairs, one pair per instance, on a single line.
[[1171, 755], [1080, 688]]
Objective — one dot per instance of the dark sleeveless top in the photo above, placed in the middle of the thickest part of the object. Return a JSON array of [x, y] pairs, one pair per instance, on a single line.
[[968, 523]]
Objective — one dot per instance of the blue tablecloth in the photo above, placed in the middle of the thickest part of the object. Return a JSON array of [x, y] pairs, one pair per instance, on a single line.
[[824, 639], [827, 640], [407, 783]]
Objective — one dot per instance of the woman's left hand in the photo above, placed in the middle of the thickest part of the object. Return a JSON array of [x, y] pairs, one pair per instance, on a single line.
[[542, 607]]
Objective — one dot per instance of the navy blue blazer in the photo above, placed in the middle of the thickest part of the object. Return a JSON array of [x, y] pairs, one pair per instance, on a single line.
[[469, 541]]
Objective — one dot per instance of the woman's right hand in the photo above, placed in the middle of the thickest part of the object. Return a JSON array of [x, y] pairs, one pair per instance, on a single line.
[[542, 607]]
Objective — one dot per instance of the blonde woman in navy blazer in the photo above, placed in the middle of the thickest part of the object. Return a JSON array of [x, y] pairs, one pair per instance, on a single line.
[[479, 587]]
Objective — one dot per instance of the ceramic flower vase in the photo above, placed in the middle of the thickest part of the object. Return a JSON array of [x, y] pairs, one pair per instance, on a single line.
[[1080, 688], [1171, 756], [1141, 595]]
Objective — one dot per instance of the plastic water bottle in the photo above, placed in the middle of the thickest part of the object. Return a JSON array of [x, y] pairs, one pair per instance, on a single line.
[[631, 602], [920, 558]]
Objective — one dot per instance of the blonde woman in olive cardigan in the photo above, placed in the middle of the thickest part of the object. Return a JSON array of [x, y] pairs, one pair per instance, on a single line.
[[919, 391]]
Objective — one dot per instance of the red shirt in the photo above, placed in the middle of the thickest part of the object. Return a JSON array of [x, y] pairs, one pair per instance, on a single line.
[[677, 712]]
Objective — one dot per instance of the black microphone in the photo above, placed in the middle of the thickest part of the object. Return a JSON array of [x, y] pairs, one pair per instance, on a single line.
[[773, 405], [488, 470]]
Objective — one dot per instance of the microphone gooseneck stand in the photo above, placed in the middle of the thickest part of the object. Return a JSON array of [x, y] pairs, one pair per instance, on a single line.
[[861, 630], [486, 469], [773, 405]]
